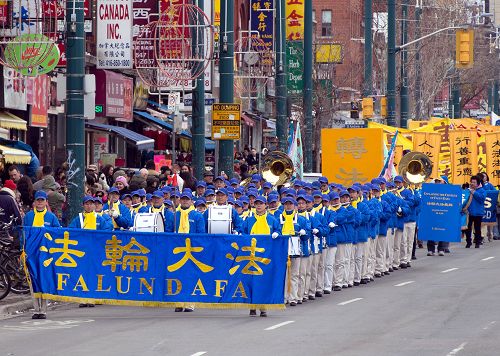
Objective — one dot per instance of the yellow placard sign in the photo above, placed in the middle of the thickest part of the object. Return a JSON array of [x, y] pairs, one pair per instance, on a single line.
[[352, 155], [226, 121], [329, 53], [429, 143], [492, 140], [463, 147], [294, 17]]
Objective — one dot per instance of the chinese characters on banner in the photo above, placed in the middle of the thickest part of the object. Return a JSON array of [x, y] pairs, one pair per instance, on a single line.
[[492, 140], [40, 100], [115, 93], [463, 146], [157, 269], [429, 143], [352, 155], [114, 34], [262, 21], [294, 17], [144, 54]]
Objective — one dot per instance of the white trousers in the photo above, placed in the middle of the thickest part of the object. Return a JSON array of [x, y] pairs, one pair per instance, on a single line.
[[380, 252], [369, 259], [304, 264], [407, 245], [293, 288], [320, 283], [389, 250], [314, 274], [359, 261], [329, 268], [341, 265], [398, 248]]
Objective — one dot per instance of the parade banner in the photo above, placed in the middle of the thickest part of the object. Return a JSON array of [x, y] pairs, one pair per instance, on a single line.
[[262, 24], [492, 145], [428, 143], [463, 146], [439, 218], [352, 155], [157, 269], [441, 126], [294, 17], [490, 208]]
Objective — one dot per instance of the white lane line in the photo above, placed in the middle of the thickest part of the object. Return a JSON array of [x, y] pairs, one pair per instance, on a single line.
[[350, 301], [458, 349], [279, 325], [449, 270], [489, 325], [404, 284], [199, 353], [488, 258]]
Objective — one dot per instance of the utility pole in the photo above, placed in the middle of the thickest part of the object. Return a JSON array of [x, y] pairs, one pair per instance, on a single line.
[[226, 70], [496, 88], [404, 63], [418, 66], [280, 79], [199, 103], [75, 124], [455, 93], [368, 84], [391, 62], [308, 86]]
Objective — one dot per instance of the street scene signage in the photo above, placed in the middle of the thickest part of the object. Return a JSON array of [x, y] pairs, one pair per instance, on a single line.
[[226, 121]]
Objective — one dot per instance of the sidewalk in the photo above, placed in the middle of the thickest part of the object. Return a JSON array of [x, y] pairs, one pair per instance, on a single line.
[[15, 303]]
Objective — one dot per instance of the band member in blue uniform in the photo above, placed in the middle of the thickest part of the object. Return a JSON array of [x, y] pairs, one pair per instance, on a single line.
[[119, 213], [158, 206]]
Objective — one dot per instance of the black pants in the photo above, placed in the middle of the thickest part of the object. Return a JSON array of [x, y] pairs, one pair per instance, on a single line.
[[431, 246], [476, 221]]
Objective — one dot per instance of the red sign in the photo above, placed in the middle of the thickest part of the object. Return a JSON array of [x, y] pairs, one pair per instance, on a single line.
[[52, 8], [4, 12], [40, 103], [128, 95], [115, 93]]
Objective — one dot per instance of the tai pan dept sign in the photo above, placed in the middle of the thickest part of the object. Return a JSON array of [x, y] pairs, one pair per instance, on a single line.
[[226, 121]]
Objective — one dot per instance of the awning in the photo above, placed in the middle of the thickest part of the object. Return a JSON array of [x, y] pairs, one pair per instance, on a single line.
[[147, 118], [13, 155], [10, 121], [209, 145], [142, 142], [247, 119], [269, 124]]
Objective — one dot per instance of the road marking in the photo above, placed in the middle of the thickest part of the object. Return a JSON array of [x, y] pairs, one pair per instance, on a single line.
[[46, 324], [449, 270], [280, 325], [458, 349], [404, 284], [350, 301], [199, 353], [488, 258], [489, 325]]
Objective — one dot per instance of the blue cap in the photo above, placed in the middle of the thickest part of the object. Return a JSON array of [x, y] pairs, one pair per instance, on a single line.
[[302, 197], [316, 193], [219, 178], [261, 199], [298, 183], [272, 198], [113, 190], [325, 197], [201, 183], [316, 185], [175, 195], [149, 196], [256, 177], [239, 190], [382, 180], [323, 180], [398, 179], [375, 186], [234, 181], [251, 185], [267, 185], [391, 185], [87, 198], [141, 193], [127, 195], [40, 194], [238, 203], [253, 193], [375, 181], [209, 192], [186, 195], [301, 192], [343, 193], [288, 200], [134, 193], [168, 202], [308, 186], [230, 190], [98, 200], [166, 189], [366, 188], [334, 195], [230, 200], [222, 191], [244, 199], [356, 188], [200, 202], [157, 194]]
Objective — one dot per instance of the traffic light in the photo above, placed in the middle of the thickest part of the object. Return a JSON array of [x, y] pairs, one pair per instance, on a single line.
[[383, 106], [464, 52], [367, 108]]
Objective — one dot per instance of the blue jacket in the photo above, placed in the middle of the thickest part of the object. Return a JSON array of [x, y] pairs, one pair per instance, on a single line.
[[391, 200], [302, 224], [168, 217], [49, 219], [343, 219], [364, 216], [488, 186], [413, 201], [375, 207], [322, 226], [476, 207], [196, 222], [385, 217], [124, 220], [405, 210], [236, 220], [248, 224], [101, 223]]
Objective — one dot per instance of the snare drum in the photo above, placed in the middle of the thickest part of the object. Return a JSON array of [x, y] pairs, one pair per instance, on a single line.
[[220, 219], [294, 246], [149, 222]]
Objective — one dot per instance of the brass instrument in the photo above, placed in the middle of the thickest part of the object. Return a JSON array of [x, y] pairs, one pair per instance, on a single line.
[[277, 168], [415, 167]]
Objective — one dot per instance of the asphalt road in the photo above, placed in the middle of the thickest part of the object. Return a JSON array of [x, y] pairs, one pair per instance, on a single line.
[[441, 306]]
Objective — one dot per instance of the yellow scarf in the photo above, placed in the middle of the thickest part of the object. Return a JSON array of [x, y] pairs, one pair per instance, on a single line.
[[272, 211], [116, 207], [39, 220], [89, 221], [326, 191], [261, 227], [318, 208], [334, 208], [157, 210], [244, 214], [354, 203], [184, 220], [288, 226]]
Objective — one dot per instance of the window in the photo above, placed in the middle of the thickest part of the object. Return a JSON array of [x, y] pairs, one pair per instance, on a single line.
[[326, 23]]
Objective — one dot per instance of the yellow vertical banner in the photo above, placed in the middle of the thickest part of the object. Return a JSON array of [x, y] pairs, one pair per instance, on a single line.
[[429, 143], [398, 154], [492, 144], [463, 146], [216, 18], [294, 17], [352, 155], [441, 126]]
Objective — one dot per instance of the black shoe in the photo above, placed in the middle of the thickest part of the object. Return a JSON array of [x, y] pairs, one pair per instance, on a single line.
[[312, 297], [35, 316], [327, 291], [178, 310], [253, 312], [263, 314], [387, 273], [403, 265], [188, 310], [395, 268], [299, 302], [468, 245], [292, 304], [337, 289], [420, 245], [413, 257], [446, 250], [378, 275], [349, 286], [305, 299], [496, 238], [391, 270], [408, 265], [478, 245], [83, 305], [363, 281], [318, 294], [90, 305], [356, 284], [371, 279], [42, 316]]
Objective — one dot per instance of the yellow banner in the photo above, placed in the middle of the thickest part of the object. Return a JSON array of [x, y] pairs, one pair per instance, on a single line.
[[352, 155], [294, 17], [398, 154], [429, 143], [216, 21], [414, 124], [463, 145], [492, 145]]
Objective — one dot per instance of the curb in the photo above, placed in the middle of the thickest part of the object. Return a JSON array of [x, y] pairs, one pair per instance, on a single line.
[[20, 306]]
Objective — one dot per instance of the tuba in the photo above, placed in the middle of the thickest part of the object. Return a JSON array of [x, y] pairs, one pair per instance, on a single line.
[[277, 168], [415, 167]]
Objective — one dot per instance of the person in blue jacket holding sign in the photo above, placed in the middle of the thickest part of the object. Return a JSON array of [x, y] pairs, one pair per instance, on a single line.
[[476, 211]]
